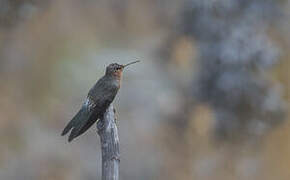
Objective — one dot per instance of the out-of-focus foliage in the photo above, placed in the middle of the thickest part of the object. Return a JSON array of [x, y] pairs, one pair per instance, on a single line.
[[235, 53], [209, 100]]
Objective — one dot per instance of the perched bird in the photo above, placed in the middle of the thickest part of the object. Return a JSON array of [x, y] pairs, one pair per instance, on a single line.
[[98, 100]]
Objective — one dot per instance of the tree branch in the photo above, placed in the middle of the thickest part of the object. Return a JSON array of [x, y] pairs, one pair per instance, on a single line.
[[108, 132]]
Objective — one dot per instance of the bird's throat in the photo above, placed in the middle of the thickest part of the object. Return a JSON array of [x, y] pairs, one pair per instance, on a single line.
[[118, 75]]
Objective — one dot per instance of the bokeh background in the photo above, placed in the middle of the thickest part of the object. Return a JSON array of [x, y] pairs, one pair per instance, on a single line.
[[208, 101]]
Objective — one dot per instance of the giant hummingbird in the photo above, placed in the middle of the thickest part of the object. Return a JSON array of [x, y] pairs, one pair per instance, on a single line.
[[100, 96]]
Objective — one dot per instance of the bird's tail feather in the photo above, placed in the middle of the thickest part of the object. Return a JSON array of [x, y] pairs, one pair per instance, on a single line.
[[79, 122], [71, 124], [81, 128]]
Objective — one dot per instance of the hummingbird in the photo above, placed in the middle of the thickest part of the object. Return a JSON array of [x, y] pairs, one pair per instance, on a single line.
[[100, 96]]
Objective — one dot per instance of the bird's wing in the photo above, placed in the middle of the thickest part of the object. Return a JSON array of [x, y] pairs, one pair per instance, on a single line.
[[82, 119]]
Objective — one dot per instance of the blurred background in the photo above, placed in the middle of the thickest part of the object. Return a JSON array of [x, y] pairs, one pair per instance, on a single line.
[[209, 99]]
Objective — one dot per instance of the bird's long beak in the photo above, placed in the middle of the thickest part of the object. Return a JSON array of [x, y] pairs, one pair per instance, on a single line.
[[130, 63]]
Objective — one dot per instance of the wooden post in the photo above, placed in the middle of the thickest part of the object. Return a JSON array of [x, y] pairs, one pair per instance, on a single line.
[[108, 132]]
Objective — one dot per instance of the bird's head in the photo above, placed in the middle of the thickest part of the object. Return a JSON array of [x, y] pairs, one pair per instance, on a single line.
[[116, 70]]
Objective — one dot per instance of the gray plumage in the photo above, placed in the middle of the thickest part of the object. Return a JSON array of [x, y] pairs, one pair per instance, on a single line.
[[100, 96], [98, 100]]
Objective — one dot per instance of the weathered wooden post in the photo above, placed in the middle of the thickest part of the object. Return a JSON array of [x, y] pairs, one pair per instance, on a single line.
[[108, 132]]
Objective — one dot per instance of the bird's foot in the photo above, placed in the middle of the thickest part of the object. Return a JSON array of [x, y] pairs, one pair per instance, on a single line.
[[116, 158], [115, 115]]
